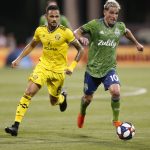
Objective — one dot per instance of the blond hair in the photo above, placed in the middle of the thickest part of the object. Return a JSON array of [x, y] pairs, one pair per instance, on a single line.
[[112, 3]]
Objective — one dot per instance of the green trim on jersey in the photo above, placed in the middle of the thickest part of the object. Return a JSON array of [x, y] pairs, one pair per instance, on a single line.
[[102, 47]]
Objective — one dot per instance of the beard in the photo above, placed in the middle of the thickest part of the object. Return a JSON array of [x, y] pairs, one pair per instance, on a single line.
[[53, 24]]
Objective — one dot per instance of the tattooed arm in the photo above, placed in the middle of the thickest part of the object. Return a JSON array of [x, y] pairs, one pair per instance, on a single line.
[[77, 58]]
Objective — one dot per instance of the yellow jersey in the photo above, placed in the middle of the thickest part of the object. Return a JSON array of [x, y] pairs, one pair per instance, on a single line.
[[55, 47]]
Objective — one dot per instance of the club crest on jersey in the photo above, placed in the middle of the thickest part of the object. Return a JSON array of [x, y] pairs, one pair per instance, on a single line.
[[57, 36], [117, 32]]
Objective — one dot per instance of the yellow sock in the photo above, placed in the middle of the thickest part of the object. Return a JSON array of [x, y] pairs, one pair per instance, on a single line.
[[22, 107], [60, 100]]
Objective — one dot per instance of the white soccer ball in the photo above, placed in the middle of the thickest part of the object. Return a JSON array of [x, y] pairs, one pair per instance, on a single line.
[[125, 131]]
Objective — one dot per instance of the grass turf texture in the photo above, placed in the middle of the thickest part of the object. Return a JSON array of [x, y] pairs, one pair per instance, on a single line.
[[45, 127]]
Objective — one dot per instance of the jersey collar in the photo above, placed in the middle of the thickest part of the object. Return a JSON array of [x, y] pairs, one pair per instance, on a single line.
[[102, 19], [50, 31]]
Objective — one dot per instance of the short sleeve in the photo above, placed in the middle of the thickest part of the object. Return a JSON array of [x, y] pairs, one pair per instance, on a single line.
[[88, 26], [69, 35], [123, 28], [36, 35]]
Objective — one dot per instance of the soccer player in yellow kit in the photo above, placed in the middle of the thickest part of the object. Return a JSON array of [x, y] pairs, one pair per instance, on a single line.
[[52, 65]]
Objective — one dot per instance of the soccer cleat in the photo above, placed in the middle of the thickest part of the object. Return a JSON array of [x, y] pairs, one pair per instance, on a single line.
[[63, 105], [80, 120], [117, 123], [12, 130]]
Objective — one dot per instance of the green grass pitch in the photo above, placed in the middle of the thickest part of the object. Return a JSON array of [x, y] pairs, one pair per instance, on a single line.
[[45, 127]]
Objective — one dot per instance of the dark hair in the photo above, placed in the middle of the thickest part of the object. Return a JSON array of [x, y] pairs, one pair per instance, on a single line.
[[52, 7]]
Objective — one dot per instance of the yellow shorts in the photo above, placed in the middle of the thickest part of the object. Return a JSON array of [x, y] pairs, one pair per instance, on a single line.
[[53, 80]]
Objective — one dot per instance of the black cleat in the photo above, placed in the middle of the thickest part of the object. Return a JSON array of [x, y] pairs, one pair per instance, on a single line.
[[12, 130], [63, 105]]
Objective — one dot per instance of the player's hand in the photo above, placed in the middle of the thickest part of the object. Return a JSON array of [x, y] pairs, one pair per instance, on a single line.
[[140, 47], [84, 41], [69, 70], [15, 63]]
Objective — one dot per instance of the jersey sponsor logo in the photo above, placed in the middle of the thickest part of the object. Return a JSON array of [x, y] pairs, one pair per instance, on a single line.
[[50, 47], [110, 43]]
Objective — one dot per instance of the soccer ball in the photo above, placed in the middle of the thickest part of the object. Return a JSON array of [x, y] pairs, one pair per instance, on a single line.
[[125, 131]]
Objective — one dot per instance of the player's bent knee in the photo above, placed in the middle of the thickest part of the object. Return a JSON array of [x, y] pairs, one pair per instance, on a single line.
[[88, 98], [53, 100], [115, 93]]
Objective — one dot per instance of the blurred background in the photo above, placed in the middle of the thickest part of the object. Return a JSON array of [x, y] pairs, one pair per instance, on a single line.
[[19, 19]]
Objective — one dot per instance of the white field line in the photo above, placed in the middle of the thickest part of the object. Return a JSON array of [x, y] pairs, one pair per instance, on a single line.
[[131, 91]]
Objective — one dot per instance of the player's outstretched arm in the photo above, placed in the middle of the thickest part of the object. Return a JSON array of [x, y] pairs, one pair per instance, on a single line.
[[131, 37], [24, 53], [78, 56], [79, 35]]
